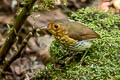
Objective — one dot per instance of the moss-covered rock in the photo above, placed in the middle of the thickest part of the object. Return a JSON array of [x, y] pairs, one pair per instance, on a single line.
[[102, 61]]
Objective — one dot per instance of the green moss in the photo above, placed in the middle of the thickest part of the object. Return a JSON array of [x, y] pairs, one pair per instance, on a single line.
[[102, 61], [44, 5]]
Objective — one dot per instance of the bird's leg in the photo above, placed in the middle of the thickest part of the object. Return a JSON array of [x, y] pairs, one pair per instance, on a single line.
[[71, 56], [83, 56]]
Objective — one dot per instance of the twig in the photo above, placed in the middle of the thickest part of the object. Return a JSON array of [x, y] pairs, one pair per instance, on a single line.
[[20, 19], [18, 53]]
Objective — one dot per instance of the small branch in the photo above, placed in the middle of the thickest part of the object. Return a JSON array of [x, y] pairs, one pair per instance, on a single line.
[[20, 19], [6, 65]]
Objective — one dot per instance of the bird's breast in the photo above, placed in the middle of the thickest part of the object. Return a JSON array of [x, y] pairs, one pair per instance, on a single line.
[[81, 45]]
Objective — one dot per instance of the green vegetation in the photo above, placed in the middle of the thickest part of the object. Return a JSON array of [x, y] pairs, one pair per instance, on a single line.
[[44, 5], [102, 61]]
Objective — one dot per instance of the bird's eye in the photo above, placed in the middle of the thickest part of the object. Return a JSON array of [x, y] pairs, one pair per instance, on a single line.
[[56, 26]]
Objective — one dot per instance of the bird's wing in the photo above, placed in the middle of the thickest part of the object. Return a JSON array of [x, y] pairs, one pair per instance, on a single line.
[[80, 32]]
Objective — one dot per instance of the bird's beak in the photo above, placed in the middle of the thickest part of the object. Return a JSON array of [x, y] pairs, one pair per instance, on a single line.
[[45, 29]]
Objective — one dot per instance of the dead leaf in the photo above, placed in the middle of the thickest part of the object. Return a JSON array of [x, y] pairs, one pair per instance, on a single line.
[[6, 19]]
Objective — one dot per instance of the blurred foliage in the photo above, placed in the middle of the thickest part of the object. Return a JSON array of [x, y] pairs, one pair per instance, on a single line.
[[102, 61], [44, 5], [47, 4], [64, 1]]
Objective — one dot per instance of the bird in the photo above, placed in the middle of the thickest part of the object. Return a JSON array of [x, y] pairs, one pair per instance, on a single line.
[[73, 35]]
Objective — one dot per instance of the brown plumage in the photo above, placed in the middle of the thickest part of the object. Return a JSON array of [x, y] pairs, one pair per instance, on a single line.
[[75, 30], [72, 33]]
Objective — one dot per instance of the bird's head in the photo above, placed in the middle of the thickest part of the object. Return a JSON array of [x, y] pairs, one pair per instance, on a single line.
[[57, 28]]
